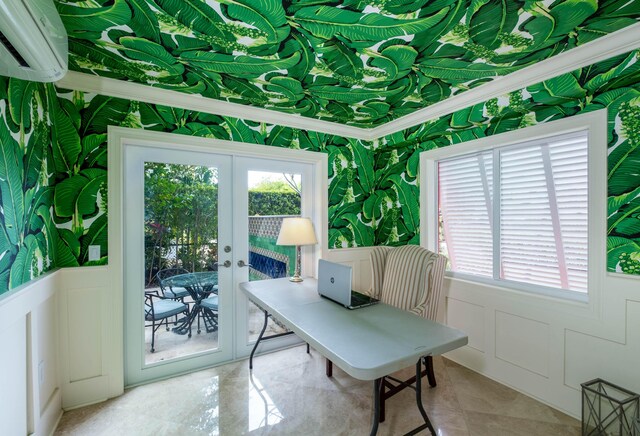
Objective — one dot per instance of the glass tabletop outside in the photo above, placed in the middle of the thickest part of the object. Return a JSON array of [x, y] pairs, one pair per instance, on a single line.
[[201, 280]]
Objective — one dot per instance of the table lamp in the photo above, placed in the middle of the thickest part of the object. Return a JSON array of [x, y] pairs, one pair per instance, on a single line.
[[297, 231]]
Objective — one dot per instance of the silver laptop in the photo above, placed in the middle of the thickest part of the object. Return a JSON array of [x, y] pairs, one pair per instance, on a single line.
[[334, 283]]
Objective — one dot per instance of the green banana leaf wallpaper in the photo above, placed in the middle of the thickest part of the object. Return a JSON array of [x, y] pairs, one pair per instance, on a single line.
[[356, 62], [53, 170], [613, 84], [30, 241], [53, 167]]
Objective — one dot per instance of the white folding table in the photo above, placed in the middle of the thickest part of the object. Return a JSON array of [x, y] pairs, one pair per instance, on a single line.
[[367, 343]]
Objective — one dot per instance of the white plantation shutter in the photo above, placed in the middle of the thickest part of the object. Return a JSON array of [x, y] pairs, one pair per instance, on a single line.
[[465, 198], [536, 233]]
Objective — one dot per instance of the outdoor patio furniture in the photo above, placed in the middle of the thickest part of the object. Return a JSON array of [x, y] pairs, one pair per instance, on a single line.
[[209, 312], [177, 292], [158, 309], [200, 286]]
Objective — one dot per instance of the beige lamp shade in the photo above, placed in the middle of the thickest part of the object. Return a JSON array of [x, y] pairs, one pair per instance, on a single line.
[[297, 231]]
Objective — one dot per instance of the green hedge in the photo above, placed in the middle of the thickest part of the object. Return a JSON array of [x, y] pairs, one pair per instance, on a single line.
[[273, 203]]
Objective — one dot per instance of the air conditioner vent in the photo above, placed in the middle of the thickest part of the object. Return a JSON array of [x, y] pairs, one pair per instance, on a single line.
[[11, 49], [33, 41]]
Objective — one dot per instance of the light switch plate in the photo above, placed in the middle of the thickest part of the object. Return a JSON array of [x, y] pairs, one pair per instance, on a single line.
[[94, 252]]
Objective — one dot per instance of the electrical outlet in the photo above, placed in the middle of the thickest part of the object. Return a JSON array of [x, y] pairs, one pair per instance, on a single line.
[[41, 372], [94, 252]]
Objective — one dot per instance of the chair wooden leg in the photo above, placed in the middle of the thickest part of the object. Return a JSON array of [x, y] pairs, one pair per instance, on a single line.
[[428, 363], [383, 398], [329, 368]]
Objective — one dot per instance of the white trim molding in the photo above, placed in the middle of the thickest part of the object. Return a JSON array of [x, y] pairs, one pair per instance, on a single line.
[[622, 41], [614, 44], [154, 95]]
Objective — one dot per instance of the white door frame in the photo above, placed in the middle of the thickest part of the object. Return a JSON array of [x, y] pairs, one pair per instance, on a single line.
[[119, 137]]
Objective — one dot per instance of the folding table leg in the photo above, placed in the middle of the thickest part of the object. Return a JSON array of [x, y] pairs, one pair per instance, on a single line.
[[377, 383], [264, 327], [427, 422]]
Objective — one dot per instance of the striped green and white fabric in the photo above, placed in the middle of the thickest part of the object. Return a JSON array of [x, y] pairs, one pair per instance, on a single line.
[[409, 277]]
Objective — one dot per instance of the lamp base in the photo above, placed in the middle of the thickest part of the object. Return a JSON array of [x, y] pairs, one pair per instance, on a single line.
[[296, 279]]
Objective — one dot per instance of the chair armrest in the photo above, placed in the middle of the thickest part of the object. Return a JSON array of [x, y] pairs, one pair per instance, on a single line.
[[419, 310], [155, 295]]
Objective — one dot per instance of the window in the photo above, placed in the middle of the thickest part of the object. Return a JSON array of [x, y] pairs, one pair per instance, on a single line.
[[530, 214], [517, 213]]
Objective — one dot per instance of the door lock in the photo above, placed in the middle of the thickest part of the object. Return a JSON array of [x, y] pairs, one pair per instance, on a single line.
[[227, 249]]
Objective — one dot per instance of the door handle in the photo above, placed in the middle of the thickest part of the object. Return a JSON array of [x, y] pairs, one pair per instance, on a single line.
[[241, 264], [226, 263]]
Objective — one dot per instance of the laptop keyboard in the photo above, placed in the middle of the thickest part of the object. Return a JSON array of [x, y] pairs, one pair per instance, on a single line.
[[358, 299]]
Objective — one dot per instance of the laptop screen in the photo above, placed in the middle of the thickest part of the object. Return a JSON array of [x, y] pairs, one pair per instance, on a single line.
[[334, 281]]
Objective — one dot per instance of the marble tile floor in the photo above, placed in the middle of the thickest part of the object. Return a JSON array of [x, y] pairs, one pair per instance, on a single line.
[[169, 345], [288, 394]]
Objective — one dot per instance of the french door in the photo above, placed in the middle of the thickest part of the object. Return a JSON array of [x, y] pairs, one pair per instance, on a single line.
[[255, 234], [146, 170], [212, 215]]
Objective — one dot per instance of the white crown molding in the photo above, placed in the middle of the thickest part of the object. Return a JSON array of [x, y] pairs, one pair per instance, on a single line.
[[614, 44], [149, 94]]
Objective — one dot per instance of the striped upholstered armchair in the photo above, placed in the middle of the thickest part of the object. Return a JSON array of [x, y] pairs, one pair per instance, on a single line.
[[410, 278]]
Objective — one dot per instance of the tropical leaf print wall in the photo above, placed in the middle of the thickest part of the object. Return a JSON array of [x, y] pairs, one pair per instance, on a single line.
[[613, 84], [373, 189], [53, 168], [357, 62], [28, 238], [53, 163], [85, 118]]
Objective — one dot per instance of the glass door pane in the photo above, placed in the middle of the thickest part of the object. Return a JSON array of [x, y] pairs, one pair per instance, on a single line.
[[177, 224], [265, 192], [181, 254], [272, 196]]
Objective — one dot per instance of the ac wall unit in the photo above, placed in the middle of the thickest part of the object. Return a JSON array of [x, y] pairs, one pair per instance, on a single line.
[[33, 41]]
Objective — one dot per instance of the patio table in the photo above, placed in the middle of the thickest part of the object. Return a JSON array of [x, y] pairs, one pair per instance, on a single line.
[[200, 286]]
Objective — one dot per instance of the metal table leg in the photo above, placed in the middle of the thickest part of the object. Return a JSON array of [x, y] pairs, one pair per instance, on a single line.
[[427, 422], [377, 383], [264, 327]]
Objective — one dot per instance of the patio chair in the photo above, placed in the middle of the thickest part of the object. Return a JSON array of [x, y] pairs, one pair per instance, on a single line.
[[158, 309], [172, 292], [211, 305], [409, 277]]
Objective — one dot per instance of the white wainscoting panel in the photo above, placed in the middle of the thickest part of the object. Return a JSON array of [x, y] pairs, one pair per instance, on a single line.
[[30, 399], [522, 342], [546, 347], [91, 366], [588, 356], [358, 259], [44, 324], [84, 333], [469, 318], [13, 377]]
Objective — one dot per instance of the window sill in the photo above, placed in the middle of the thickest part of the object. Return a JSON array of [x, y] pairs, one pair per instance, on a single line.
[[534, 291]]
